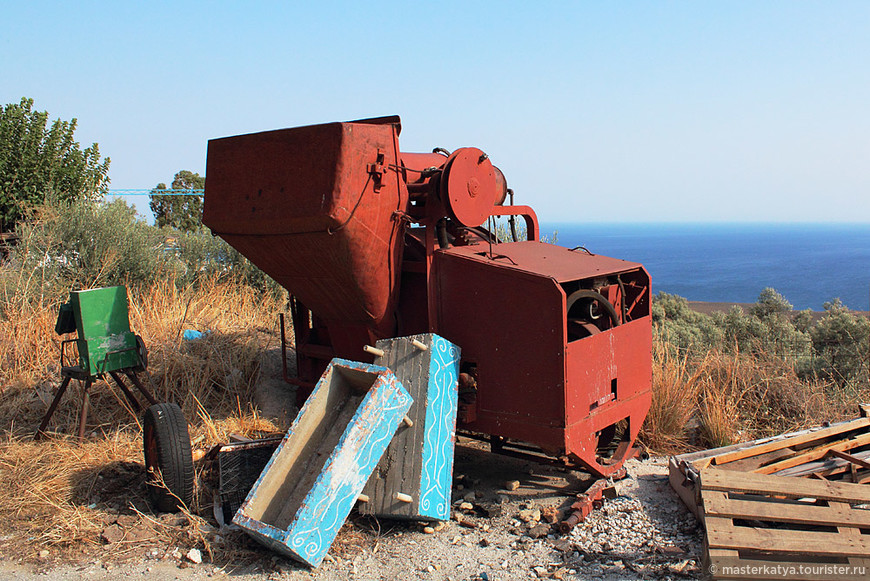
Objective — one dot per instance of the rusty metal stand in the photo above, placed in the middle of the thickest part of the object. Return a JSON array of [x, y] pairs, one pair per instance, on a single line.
[[86, 380]]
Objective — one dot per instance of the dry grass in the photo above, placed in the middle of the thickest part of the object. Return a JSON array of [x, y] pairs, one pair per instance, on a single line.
[[674, 391], [62, 495], [50, 486], [712, 399], [216, 371]]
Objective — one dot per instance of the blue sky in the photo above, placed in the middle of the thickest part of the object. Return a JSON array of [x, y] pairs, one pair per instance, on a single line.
[[629, 111]]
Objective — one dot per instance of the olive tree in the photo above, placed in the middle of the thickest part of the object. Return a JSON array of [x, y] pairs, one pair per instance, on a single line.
[[40, 162]]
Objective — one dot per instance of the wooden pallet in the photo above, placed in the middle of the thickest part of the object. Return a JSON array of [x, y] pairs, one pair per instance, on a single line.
[[837, 452], [774, 527]]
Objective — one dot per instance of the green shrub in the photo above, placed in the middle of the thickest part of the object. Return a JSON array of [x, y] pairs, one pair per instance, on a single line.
[[40, 162], [83, 244], [841, 340], [677, 325], [834, 349], [203, 255]]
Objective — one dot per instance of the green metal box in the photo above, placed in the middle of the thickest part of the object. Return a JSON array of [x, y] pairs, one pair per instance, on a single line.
[[104, 341]]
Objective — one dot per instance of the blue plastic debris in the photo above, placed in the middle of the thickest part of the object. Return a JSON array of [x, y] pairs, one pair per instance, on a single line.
[[313, 479], [192, 334]]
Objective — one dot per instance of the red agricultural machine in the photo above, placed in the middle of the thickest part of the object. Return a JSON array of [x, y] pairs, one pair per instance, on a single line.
[[375, 243]]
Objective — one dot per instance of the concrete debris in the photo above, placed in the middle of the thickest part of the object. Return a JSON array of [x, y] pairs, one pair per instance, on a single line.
[[194, 556], [529, 515]]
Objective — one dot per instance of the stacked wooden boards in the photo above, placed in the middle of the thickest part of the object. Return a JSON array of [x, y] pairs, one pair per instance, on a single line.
[[836, 452], [790, 506], [769, 527]]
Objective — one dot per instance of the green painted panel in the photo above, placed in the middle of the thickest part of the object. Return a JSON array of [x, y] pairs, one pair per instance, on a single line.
[[100, 311], [105, 342]]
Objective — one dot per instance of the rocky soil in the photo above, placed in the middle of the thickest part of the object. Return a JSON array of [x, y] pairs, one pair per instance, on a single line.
[[504, 526]]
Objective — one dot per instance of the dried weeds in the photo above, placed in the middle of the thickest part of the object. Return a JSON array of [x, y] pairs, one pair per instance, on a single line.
[[76, 499]]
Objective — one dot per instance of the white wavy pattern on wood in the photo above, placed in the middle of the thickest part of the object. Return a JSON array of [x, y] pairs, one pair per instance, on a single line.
[[435, 482], [331, 497], [347, 470]]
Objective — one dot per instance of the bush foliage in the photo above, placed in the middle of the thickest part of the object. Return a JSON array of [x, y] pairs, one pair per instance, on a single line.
[[85, 244], [38, 163], [831, 347], [750, 373]]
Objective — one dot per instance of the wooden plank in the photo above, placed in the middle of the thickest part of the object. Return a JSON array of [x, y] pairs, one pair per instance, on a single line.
[[703, 463], [825, 466], [791, 441], [718, 479], [694, 458], [786, 541], [713, 496], [834, 473], [725, 542], [814, 454], [398, 471], [419, 460], [849, 458], [753, 462], [785, 513], [841, 508], [688, 491]]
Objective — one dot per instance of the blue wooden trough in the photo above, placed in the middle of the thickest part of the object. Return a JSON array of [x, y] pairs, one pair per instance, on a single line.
[[313, 479], [415, 476]]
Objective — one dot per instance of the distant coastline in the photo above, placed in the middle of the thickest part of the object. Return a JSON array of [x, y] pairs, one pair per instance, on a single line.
[[809, 264]]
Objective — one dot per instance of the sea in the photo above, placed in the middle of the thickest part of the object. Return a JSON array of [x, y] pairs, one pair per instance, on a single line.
[[809, 264]]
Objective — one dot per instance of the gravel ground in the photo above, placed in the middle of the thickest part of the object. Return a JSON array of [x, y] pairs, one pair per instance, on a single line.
[[504, 527], [496, 534]]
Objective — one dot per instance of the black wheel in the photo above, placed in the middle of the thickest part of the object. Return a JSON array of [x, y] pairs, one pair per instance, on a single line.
[[168, 460]]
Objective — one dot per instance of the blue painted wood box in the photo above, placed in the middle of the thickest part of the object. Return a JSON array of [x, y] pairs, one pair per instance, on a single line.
[[310, 484], [415, 476]]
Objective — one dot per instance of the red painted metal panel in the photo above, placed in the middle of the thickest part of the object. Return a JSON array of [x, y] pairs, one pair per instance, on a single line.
[[556, 262], [616, 387], [314, 208], [485, 307]]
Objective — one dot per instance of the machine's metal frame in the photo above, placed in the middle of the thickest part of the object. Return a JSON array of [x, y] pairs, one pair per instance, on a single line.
[[373, 243]]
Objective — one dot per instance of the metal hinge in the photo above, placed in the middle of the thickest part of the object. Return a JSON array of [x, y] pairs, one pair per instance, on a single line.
[[377, 170]]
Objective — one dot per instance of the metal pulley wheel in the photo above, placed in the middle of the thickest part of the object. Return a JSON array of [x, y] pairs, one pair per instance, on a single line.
[[469, 186]]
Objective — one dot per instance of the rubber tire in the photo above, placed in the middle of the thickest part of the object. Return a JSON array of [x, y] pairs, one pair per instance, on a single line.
[[167, 453]]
